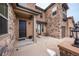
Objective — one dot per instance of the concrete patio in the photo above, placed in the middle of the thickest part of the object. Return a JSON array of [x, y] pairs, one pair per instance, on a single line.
[[40, 48]]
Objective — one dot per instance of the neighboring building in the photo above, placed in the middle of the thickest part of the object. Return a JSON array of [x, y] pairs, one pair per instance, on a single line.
[[70, 26]]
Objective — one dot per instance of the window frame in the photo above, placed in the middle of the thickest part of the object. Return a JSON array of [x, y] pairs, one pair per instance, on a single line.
[[40, 28]]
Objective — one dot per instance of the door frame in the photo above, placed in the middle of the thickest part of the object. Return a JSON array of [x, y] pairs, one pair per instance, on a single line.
[[25, 27]]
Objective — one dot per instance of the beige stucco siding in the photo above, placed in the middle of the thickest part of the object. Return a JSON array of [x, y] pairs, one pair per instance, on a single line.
[[29, 27], [70, 25]]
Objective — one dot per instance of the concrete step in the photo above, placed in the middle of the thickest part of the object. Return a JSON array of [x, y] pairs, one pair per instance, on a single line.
[[24, 42]]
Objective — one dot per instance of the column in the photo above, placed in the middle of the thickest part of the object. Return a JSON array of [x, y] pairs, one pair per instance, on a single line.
[[34, 29]]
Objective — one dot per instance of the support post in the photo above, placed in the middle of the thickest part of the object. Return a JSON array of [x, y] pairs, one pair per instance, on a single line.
[[34, 29]]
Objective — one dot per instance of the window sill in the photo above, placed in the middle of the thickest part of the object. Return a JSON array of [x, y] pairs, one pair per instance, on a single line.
[[3, 36]]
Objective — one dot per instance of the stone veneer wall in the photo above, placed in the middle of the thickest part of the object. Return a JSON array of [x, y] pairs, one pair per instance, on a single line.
[[54, 22], [12, 27], [8, 40]]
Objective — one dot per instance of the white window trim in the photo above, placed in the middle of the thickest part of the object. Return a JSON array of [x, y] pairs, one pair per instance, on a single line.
[[3, 16], [54, 9], [38, 28], [4, 35]]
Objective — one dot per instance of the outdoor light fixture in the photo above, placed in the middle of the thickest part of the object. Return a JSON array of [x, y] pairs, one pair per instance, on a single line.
[[76, 33]]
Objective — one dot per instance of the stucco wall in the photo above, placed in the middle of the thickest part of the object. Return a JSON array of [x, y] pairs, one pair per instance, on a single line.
[[29, 28], [70, 25]]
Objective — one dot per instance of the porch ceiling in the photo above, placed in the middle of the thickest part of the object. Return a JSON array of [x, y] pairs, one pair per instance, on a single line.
[[22, 14]]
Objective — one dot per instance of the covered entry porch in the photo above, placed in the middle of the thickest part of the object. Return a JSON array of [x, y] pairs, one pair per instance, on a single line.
[[26, 23]]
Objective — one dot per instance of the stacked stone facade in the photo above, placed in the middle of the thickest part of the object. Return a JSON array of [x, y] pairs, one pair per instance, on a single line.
[[7, 41], [55, 23]]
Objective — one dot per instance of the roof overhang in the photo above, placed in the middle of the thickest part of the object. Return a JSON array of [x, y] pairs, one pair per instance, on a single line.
[[49, 6], [22, 14], [45, 8], [64, 5], [42, 22], [37, 7], [20, 10]]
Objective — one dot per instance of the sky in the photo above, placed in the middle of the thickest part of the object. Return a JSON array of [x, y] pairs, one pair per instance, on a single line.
[[72, 11], [43, 5]]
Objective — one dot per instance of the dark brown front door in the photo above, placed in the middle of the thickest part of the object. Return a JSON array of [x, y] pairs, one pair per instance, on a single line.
[[22, 28]]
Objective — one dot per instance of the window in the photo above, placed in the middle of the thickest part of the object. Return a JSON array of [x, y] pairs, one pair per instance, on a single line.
[[3, 18], [40, 28], [41, 15], [4, 9], [3, 25], [64, 17], [54, 13], [63, 9], [71, 33]]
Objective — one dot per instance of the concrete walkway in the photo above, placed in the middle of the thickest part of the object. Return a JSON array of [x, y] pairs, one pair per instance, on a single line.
[[39, 48]]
